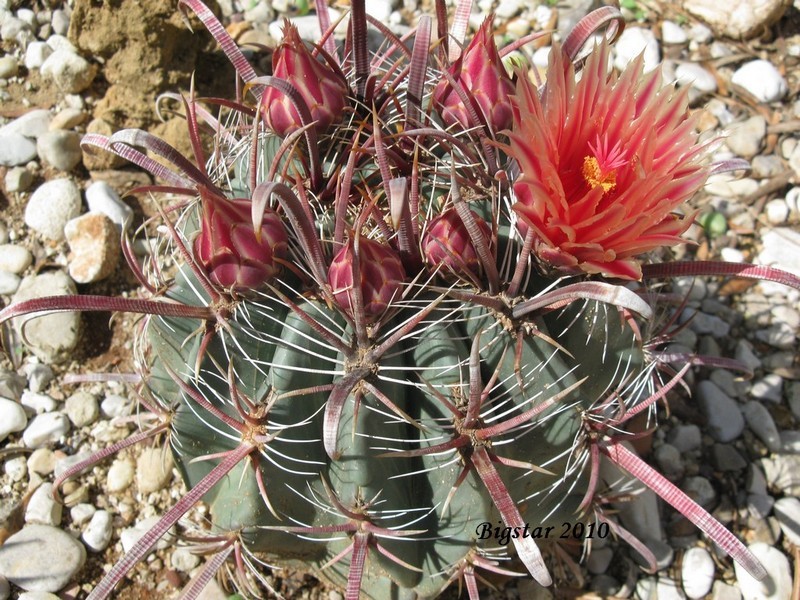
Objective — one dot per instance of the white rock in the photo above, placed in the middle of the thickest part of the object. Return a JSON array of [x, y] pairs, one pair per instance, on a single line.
[[184, 560], [18, 179], [60, 22], [42, 508], [9, 283], [32, 124], [14, 258], [114, 405], [761, 423], [782, 472], [120, 475], [35, 55], [781, 249], [21, 558], [700, 34], [725, 420], [308, 26], [633, 42], [695, 75], [51, 337], [67, 118], [16, 149], [777, 585], [793, 200], [672, 33], [153, 469], [51, 206], [9, 67], [131, 535], [69, 71], [737, 19], [37, 403], [82, 409], [16, 468], [12, 417], [42, 461], [39, 376], [787, 511], [732, 254], [81, 513], [45, 428], [61, 42], [60, 149], [746, 138], [102, 198], [666, 589], [761, 79], [97, 534], [507, 8]]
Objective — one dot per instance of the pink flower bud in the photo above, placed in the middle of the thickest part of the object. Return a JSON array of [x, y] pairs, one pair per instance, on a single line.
[[381, 271], [447, 246], [481, 74], [323, 90], [234, 257]]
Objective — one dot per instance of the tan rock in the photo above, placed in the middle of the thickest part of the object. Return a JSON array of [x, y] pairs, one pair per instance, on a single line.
[[94, 247], [153, 469]]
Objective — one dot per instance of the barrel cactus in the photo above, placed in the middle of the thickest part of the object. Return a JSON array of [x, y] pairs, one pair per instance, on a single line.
[[401, 313]]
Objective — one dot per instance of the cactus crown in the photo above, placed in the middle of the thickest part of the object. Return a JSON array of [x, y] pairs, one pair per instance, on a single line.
[[397, 326]]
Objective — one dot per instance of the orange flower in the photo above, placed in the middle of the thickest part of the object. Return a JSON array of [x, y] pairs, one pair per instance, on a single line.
[[604, 162]]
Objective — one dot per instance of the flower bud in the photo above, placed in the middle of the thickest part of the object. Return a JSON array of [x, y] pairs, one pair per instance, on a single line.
[[447, 246]]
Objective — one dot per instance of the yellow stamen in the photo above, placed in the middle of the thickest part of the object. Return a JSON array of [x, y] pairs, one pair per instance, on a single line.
[[595, 176]]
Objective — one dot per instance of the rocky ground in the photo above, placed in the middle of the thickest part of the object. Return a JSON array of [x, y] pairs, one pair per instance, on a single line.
[[68, 68]]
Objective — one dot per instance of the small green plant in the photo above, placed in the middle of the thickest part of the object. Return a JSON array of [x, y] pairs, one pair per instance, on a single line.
[[407, 316]]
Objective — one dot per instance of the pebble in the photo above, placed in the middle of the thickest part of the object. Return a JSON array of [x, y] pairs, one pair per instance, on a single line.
[[42, 461], [82, 409], [768, 388], [697, 572], [744, 354], [18, 179], [102, 198], [667, 589], [695, 75], [668, 458], [9, 66], [703, 323], [725, 420], [120, 475], [31, 125], [36, 53], [14, 29], [51, 337], [599, 559], [760, 422], [94, 247], [778, 335], [672, 33], [81, 513], [131, 535], [765, 166], [39, 376], [5, 588], [760, 505], [685, 437], [97, 534], [45, 428], [69, 71], [67, 118], [633, 42], [777, 585], [114, 405], [777, 211], [153, 469], [21, 558], [787, 511], [16, 468], [725, 458], [737, 19], [700, 490], [60, 149], [37, 403], [184, 560], [51, 206], [16, 149], [42, 508], [782, 472], [11, 384], [723, 591], [747, 138], [761, 79], [12, 418], [9, 283], [37, 596]]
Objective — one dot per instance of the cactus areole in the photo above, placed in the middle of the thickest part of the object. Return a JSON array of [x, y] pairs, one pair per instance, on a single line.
[[396, 327]]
